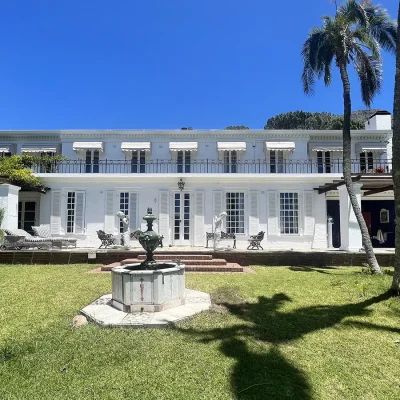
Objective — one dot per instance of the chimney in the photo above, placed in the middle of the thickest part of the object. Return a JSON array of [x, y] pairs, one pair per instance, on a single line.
[[380, 121]]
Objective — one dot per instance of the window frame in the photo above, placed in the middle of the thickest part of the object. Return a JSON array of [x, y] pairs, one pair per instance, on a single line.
[[277, 162], [228, 222], [299, 213], [183, 161], [92, 161], [230, 159], [138, 161]]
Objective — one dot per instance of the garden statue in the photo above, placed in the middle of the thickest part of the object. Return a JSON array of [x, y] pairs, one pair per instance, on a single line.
[[218, 229], [125, 235]]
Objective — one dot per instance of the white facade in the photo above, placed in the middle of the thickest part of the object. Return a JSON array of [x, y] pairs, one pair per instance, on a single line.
[[265, 180]]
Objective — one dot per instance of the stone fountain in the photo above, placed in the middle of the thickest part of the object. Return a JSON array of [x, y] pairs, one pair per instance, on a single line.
[[149, 294], [149, 286]]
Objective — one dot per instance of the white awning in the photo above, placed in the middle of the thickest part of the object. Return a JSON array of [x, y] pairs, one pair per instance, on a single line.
[[4, 150], [280, 146], [231, 146], [133, 146], [38, 150], [183, 146], [379, 148], [87, 146], [327, 148]]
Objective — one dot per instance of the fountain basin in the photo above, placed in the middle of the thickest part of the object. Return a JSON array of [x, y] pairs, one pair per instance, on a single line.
[[153, 290]]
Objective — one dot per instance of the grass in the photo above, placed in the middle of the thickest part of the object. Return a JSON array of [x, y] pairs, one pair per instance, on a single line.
[[282, 333]]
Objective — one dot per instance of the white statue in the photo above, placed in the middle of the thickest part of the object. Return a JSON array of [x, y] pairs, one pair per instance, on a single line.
[[125, 236], [218, 219]]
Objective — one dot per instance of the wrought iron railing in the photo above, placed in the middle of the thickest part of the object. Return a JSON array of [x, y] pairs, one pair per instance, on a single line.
[[213, 167]]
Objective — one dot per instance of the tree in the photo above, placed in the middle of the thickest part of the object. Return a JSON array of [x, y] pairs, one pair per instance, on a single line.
[[236, 127], [354, 36], [309, 120], [17, 170], [396, 163]]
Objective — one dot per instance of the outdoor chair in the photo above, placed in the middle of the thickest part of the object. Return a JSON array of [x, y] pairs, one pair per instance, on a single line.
[[17, 242], [224, 235], [43, 231], [107, 239], [31, 241], [255, 241]]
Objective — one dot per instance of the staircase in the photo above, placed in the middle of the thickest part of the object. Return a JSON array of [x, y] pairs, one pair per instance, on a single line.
[[193, 262]]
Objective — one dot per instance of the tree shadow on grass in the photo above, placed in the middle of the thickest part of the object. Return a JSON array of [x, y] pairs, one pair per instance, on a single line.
[[321, 270], [268, 375]]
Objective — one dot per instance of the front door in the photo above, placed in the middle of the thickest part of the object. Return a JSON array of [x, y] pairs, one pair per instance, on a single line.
[[27, 215], [181, 219]]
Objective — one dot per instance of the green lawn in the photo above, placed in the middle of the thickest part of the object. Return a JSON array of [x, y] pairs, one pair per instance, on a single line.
[[278, 334]]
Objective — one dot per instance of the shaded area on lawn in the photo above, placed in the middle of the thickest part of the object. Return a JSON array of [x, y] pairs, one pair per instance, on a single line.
[[268, 374]]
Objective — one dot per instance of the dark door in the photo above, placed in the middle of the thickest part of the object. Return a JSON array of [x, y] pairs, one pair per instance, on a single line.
[[27, 215], [333, 210]]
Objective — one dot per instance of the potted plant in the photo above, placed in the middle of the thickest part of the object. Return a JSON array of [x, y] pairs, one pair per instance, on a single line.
[[380, 170]]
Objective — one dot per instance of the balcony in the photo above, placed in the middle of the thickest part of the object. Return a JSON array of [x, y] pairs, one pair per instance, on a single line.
[[213, 167]]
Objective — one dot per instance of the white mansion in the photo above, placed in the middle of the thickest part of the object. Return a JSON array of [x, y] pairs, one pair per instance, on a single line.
[[285, 183]]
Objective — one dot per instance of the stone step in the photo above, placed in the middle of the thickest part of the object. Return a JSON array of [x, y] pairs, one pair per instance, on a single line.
[[217, 261], [169, 257]]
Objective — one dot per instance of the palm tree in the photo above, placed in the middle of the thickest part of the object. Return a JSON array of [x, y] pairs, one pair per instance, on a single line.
[[396, 164], [354, 36]]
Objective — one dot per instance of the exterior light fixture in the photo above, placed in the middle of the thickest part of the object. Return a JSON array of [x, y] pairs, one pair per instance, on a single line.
[[181, 185]]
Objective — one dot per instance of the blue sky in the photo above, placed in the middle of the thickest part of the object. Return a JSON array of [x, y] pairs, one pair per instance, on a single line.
[[161, 64]]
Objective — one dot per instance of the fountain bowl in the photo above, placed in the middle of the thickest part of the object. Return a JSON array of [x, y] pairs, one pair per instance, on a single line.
[[151, 290]]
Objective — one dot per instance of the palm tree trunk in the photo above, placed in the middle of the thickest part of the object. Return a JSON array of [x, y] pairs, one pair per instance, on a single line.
[[396, 165], [366, 240]]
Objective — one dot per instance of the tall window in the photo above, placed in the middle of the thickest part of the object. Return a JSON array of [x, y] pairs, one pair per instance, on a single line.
[[124, 207], [71, 212], [138, 162], [366, 161], [76, 212], [276, 161], [235, 212], [324, 162], [289, 213], [183, 161], [230, 161], [92, 161]]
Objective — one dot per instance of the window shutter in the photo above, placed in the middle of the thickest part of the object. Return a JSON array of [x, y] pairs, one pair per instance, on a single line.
[[80, 212], [163, 217], [199, 236], [308, 213], [55, 217], [254, 215], [272, 214], [133, 201], [217, 204], [109, 220]]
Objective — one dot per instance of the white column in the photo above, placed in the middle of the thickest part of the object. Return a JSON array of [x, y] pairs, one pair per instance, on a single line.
[[9, 201], [350, 234], [330, 233], [319, 211]]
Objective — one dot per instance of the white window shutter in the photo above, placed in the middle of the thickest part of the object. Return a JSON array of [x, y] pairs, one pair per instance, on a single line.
[[55, 217], [217, 204], [80, 212], [308, 213], [133, 220], [109, 220], [272, 214], [199, 237], [163, 218], [253, 214]]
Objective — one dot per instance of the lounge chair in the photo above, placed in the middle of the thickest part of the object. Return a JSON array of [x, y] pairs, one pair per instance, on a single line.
[[43, 231], [12, 240]]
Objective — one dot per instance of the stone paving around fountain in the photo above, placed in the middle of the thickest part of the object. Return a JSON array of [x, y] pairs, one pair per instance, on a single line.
[[102, 313]]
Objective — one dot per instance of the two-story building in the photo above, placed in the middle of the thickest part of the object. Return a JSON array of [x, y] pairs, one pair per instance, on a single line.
[[286, 183]]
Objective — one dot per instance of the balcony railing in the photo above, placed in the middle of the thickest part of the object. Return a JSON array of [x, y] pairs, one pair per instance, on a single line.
[[213, 167]]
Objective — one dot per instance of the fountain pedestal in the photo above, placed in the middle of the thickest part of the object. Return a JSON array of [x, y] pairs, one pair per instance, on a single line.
[[136, 290]]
